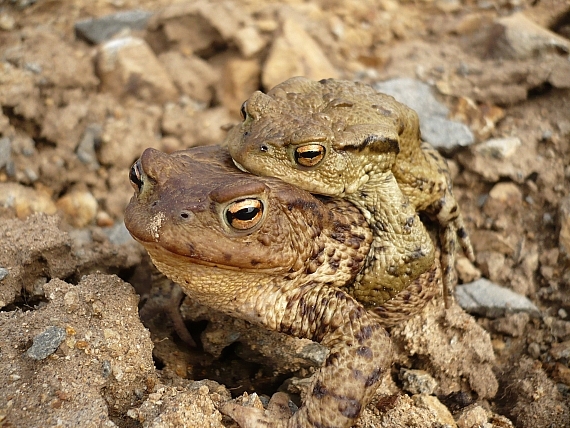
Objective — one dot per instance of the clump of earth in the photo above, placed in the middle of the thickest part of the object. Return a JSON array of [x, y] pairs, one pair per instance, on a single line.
[[87, 331]]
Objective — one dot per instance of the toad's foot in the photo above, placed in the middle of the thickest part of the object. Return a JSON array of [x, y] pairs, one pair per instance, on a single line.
[[449, 235]]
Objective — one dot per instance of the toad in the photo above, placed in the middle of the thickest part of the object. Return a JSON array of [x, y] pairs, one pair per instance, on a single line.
[[265, 251], [343, 138]]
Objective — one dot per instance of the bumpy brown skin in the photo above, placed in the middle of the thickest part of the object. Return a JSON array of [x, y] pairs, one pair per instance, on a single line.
[[373, 156], [280, 273]]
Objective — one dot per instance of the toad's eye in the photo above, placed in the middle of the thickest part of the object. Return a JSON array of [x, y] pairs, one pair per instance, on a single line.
[[309, 155], [243, 110], [135, 176], [244, 214]]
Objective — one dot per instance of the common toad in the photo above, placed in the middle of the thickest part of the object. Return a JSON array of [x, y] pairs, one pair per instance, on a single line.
[[343, 138], [264, 251]]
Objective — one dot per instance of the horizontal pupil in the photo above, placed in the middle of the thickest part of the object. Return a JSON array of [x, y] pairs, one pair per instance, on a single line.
[[309, 154], [243, 214]]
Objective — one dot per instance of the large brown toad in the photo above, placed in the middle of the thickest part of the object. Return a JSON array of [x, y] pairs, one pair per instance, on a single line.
[[264, 251], [342, 138]]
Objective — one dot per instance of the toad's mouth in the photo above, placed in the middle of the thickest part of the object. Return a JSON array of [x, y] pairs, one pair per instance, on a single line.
[[240, 166], [183, 262]]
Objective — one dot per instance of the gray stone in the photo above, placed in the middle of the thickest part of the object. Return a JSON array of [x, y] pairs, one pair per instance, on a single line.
[[3, 273], [5, 152], [564, 236], [86, 148], [118, 234], [46, 343], [485, 298], [444, 134], [97, 30], [418, 381]]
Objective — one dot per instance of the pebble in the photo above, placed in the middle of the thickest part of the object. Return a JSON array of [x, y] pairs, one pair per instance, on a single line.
[[79, 206], [512, 324], [517, 37], [7, 22], [442, 133], [97, 30], [86, 147], [560, 350], [3, 273], [418, 381], [25, 200], [564, 236], [499, 148], [46, 343], [485, 298], [5, 152], [128, 66], [118, 234], [295, 53]]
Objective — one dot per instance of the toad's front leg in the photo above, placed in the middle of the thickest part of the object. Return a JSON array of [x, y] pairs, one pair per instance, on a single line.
[[360, 353]]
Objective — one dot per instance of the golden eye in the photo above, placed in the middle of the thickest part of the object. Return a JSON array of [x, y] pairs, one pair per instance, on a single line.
[[309, 155], [244, 214], [135, 176], [243, 110]]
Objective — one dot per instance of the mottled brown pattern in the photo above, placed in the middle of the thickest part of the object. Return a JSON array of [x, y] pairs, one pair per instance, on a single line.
[[177, 215], [373, 156]]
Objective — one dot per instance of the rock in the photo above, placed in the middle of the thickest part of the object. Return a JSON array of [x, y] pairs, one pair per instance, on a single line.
[[46, 343], [127, 66], [79, 207], [475, 416], [491, 264], [3, 273], [401, 411], [62, 65], [126, 134], [418, 381], [466, 271], [241, 79], [63, 125], [295, 53], [192, 75], [248, 41], [195, 127], [564, 236], [457, 348], [560, 351], [481, 118], [7, 21], [558, 328], [488, 240], [196, 27], [485, 298], [86, 147], [512, 324], [5, 153], [503, 205], [194, 406], [431, 403], [499, 148], [533, 400], [517, 37], [442, 133], [504, 157], [104, 362], [118, 234], [97, 30], [25, 200]]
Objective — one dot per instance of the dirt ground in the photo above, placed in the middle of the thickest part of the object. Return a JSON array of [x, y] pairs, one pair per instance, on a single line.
[[79, 107]]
